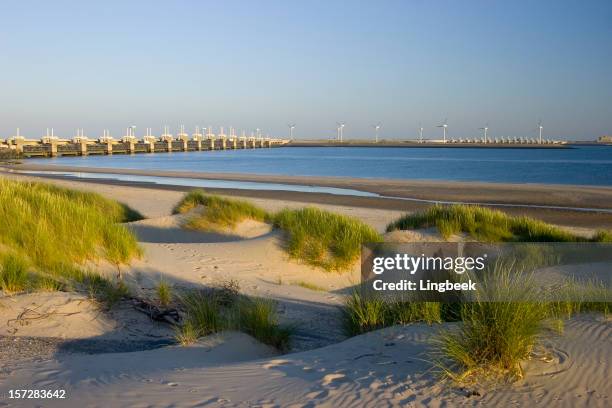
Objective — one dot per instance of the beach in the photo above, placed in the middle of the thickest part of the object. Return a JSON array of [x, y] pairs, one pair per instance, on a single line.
[[398, 195], [124, 360]]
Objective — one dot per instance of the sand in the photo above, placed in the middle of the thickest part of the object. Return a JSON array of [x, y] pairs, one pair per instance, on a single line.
[[384, 368], [389, 367], [408, 193], [73, 316]]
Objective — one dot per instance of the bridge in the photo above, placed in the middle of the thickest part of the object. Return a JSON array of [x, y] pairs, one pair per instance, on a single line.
[[52, 146]]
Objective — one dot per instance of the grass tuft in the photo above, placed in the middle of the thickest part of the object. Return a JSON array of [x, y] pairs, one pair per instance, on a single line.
[[220, 309], [14, 275], [324, 239], [257, 317], [488, 225], [316, 237], [51, 227], [164, 293], [497, 331], [219, 212], [202, 313], [364, 312]]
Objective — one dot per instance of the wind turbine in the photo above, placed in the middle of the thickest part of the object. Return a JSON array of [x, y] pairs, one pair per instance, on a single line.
[[485, 130], [340, 130], [444, 126], [540, 128], [291, 127], [420, 133], [376, 129]]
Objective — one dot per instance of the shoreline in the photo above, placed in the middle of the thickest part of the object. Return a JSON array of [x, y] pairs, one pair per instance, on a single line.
[[426, 144], [394, 194], [468, 191]]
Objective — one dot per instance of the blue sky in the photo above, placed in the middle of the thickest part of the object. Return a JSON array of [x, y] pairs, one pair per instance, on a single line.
[[248, 64]]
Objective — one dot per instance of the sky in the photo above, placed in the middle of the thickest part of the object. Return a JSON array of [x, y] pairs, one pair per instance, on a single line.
[[265, 64]]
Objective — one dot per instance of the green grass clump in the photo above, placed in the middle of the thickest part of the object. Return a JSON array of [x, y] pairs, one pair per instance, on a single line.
[[363, 312], [580, 297], [186, 334], [101, 289], [602, 236], [202, 315], [218, 212], [53, 226], [211, 312], [257, 317], [14, 276], [485, 224], [164, 293], [49, 233], [190, 201], [498, 330], [319, 238], [324, 239]]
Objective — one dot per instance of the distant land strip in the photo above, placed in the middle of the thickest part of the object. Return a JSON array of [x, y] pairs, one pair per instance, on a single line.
[[425, 144]]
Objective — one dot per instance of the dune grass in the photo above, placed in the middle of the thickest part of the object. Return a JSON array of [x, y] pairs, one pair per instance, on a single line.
[[48, 234], [363, 312], [501, 328], [316, 237], [219, 212], [324, 239], [214, 311], [489, 225], [202, 316], [498, 330], [14, 276], [164, 293], [51, 226], [257, 317]]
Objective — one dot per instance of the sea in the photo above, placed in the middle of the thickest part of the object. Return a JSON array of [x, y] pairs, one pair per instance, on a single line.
[[580, 165]]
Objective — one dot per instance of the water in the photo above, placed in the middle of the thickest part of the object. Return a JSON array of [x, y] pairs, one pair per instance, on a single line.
[[205, 183], [588, 165]]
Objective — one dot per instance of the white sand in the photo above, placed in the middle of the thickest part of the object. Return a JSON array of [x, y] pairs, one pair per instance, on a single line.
[[383, 368], [73, 316]]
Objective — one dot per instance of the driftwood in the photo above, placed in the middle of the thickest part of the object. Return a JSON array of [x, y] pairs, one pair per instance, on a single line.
[[166, 315], [30, 314]]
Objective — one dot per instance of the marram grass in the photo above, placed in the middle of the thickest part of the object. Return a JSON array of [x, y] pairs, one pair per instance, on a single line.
[[365, 311], [497, 333], [314, 236], [258, 318], [52, 232], [164, 293], [209, 312], [324, 239], [489, 225], [218, 212]]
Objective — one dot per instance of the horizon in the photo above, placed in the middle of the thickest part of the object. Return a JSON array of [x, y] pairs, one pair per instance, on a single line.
[[265, 65]]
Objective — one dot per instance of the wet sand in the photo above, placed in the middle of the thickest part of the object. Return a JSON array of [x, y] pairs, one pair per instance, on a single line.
[[470, 192]]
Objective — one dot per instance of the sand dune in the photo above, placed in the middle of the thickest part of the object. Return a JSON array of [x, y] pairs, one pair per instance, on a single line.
[[73, 316], [384, 368]]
